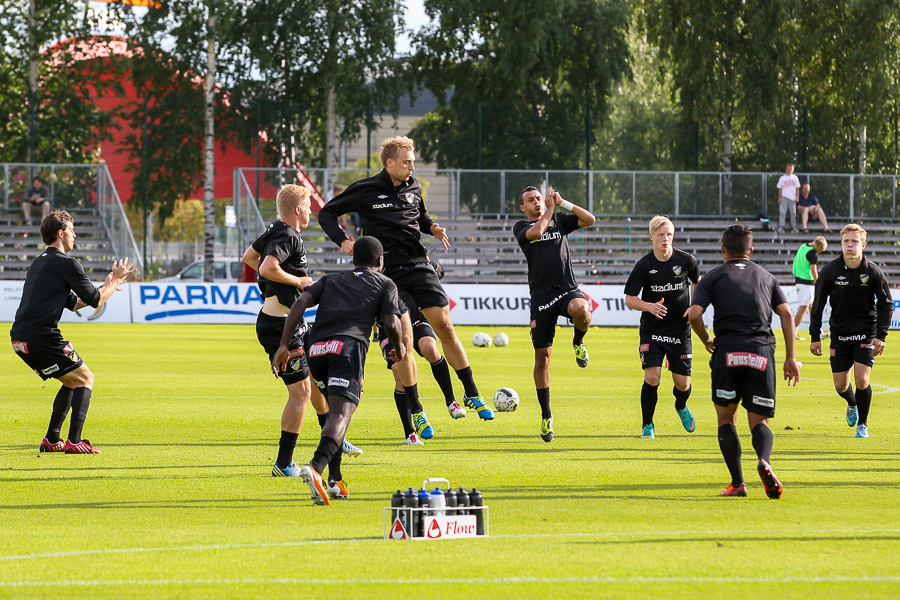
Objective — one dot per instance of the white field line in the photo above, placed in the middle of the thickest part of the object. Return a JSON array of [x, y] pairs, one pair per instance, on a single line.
[[456, 580], [739, 533]]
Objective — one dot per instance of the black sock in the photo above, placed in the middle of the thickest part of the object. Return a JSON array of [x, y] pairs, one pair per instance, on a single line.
[[543, 395], [81, 401], [465, 376], [286, 446], [681, 398], [648, 401], [334, 467], [322, 418], [412, 397], [578, 337], [848, 395], [403, 411], [731, 451], [441, 372], [864, 400], [328, 447], [61, 405], [762, 441]]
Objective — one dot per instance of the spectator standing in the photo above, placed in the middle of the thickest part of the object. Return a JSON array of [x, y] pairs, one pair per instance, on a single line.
[[788, 184]]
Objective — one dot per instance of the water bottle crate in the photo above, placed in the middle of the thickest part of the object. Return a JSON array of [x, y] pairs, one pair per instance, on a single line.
[[441, 515]]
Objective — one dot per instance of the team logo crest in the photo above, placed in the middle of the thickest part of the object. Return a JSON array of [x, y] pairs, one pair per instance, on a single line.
[[864, 279], [677, 270], [411, 198]]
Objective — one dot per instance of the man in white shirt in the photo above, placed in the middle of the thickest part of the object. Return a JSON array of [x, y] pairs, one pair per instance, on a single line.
[[788, 184]]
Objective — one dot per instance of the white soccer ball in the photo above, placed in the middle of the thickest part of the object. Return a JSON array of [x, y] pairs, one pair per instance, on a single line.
[[501, 339], [482, 340], [506, 400]]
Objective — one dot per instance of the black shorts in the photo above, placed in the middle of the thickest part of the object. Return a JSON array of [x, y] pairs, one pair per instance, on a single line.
[[337, 366], [676, 349], [544, 314], [418, 286], [47, 356], [849, 349], [744, 374], [268, 331], [421, 329]]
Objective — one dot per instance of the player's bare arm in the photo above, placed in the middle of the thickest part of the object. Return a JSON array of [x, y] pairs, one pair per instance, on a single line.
[[271, 269], [441, 234], [392, 328], [695, 316], [116, 277], [279, 360], [791, 368], [540, 226], [251, 258], [657, 309], [585, 218]]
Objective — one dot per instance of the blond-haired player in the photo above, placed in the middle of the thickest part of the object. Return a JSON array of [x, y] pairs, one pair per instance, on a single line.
[[664, 279]]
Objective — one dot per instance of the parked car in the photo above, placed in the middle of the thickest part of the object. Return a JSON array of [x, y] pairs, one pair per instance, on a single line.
[[225, 269]]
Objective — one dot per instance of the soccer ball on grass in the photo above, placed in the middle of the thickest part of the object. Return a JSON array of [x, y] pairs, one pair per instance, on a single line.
[[506, 400], [501, 339], [482, 340]]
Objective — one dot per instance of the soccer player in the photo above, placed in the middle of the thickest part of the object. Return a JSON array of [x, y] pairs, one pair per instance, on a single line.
[[415, 425], [743, 296], [543, 238], [665, 275], [280, 258], [349, 303], [861, 309], [56, 281], [806, 272], [392, 210]]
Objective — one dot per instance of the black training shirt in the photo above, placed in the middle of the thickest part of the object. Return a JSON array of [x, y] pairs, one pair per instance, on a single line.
[[54, 281], [394, 215], [283, 242], [549, 263], [350, 302], [860, 300], [743, 296], [670, 280]]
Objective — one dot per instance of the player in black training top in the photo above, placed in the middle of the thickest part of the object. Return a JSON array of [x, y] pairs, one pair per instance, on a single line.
[[861, 309], [665, 275], [392, 210], [349, 303], [554, 292], [743, 296], [416, 429], [56, 281], [280, 258]]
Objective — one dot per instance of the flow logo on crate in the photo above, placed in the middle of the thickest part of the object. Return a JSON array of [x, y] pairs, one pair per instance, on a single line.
[[461, 526]]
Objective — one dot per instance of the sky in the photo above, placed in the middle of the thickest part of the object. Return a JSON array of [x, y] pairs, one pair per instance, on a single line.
[[415, 18]]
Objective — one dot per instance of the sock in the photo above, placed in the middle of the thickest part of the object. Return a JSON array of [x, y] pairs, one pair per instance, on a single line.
[[465, 376], [286, 446], [81, 401], [864, 400], [334, 466], [848, 395], [681, 398], [578, 337], [61, 405], [441, 372], [762, 441], [648, 401], [543, 395], [731, 451], [328, 447], [322, 419], [403, 411], [412, 397]]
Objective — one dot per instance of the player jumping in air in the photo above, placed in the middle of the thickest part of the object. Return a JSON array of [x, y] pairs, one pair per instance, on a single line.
[[392, 210], [543, 239], [743, 296], [665, 276], [861, 309], [349, 303], [56, 281]]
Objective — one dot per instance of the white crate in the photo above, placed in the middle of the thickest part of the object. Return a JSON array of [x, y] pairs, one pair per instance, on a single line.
[[437, 523]]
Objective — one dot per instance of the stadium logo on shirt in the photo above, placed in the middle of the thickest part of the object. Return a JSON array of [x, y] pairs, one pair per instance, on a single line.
[[547, 236], [383, 205], [669, 287], [677, 270]]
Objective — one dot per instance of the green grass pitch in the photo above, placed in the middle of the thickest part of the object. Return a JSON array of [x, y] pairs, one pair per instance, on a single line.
[[181, 504]]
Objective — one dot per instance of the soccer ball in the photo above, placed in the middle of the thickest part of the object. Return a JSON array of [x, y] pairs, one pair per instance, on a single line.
[[482, 340], [506, 400], [501, 339]]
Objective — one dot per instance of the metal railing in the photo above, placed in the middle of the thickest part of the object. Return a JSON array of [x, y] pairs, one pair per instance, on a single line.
[[84, 188], [461, 192]]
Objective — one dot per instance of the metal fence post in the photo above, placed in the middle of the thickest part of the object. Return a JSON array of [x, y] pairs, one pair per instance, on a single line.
[[503, 193], [765, 196], [852, 194], [633, 193], [590, 190], [6, 187], [677, 194], [720, 194], [894, 199]]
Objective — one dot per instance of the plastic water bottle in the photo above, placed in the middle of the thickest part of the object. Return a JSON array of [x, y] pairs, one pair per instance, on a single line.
[[407, 517], [438, 502], [476, 500], [462, 501], [450, 498], [396, 501], [424, 502]]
